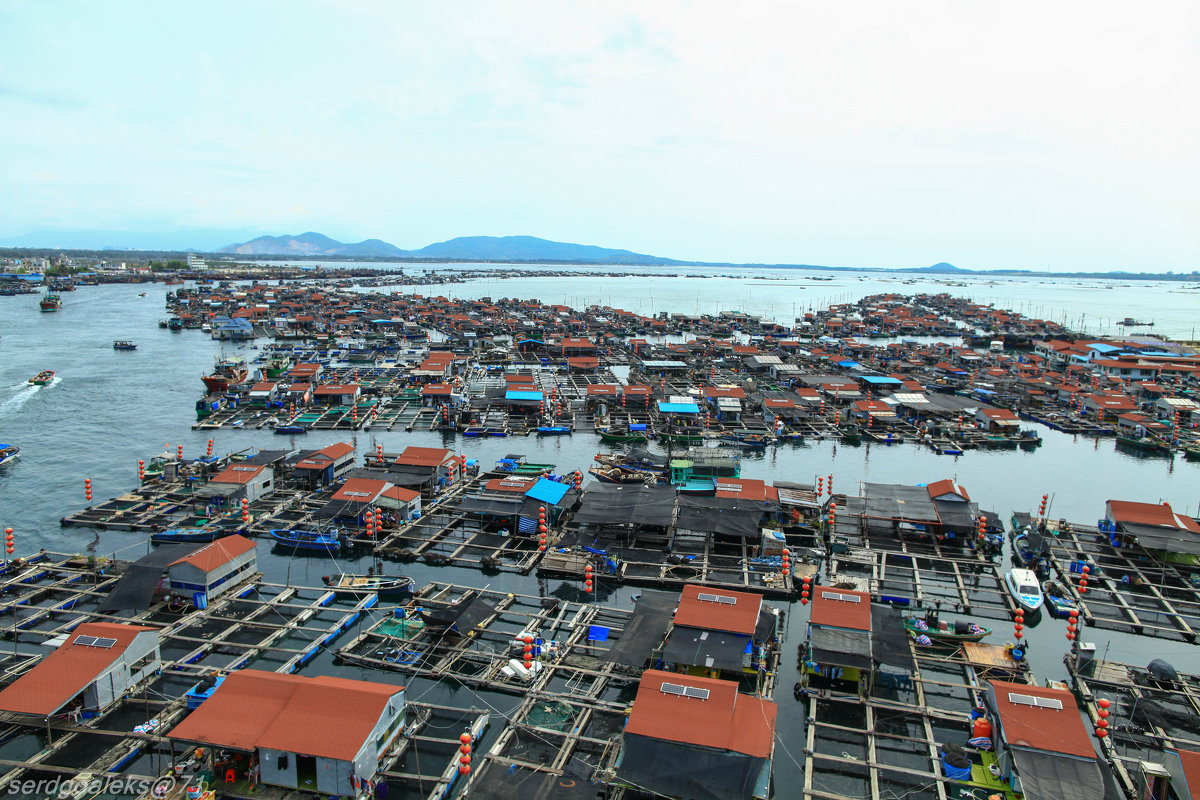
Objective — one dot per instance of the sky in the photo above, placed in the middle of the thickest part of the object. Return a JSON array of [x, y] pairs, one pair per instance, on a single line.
[[1058, 136]]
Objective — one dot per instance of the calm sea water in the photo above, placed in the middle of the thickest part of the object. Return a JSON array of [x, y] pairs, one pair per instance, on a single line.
[[106, 409]]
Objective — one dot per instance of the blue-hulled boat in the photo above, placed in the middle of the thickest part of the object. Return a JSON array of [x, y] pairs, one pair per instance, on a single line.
[[1057, 599], [286, 429], [553, 430], [8, 452], [308, 540], [186, 535]]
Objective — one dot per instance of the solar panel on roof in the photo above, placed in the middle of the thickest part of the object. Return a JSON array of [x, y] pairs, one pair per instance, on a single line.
[[845, 598], [1030, 700], [673, 688], [94, 641], [692, 691], [717, 598]]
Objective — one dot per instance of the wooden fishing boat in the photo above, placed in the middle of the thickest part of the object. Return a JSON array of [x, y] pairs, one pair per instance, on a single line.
[[1145, 444], [42, 378], [851, 434], [370, 583], [943, 631], [619, 436], [621, 475], [308, 540], [51, 302], [185, 535], [747, 439], [682, 438]]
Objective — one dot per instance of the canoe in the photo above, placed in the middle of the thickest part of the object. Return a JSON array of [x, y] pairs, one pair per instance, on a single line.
[[958, 631]]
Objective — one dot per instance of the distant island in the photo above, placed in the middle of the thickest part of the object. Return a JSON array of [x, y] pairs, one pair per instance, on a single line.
[[531, 250], [467, 248]]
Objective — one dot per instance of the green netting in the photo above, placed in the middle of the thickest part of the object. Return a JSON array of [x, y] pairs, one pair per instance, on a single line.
[[553, 716], [403, 628]]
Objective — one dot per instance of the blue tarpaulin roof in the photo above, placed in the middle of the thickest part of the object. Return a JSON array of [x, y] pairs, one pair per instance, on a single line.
[[519, 395], [848, 364], [679, 408], [547, 491], [879, 379]]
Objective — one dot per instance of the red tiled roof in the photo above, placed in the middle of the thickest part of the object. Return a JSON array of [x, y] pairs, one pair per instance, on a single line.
[[828, 610], [1190, 760], [583, 362], [1150, 514], [438, 388], [338, 388], [423, 456], [213, 555], [317, 716], [509, 484], [738, 617], [726, 720], [360, 490], [601, 389], [1040, 728], [57, 678], [946, 486], [238, 473], [400, 494]]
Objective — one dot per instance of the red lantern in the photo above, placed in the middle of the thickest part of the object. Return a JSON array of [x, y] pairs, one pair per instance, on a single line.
[[1070, 636], [1074, 614], [1018, 627], [464, 759], [1017, 634], [1102, 713], [1100, 734], [1103, 703], [464, 770], [466, 737]]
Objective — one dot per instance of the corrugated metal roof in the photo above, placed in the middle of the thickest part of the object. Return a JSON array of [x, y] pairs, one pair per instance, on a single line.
[[317, 716], [724, 720], [56, 679], [547, 491]]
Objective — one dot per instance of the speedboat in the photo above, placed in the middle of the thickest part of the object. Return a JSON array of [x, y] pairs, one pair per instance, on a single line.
[[8, 452], [42, 378], [1025, 588]]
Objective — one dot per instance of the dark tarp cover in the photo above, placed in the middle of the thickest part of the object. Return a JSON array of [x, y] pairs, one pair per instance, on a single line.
[[955, 514], [404, 475], [841, 648], [677, 770], [644, 631], [625, 504], [724, 516], [1172, 540], [521, 783], [1020, 519], [347, 509], [899, 502], [136, 588], [1054, 776], [703, 648], [889, 639], [461, 616], [765, 625]]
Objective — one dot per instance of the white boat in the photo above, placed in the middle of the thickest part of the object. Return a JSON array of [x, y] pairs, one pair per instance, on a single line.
[[1025, 588], [8, 452]]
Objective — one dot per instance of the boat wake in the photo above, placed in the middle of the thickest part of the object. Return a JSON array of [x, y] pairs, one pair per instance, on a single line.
[[14, 403]]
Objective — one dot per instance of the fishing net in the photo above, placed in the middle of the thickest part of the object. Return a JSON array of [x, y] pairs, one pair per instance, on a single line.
[[552, 716], [402, 628]]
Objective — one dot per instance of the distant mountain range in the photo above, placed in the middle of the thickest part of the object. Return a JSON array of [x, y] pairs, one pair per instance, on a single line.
[[473, 248]]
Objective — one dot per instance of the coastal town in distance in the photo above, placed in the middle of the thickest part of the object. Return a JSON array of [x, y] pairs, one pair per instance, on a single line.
[[512, 547]]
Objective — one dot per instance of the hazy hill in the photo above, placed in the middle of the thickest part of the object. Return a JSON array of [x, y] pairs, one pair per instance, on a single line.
[[531, 248], [312, 244], [473, 248]]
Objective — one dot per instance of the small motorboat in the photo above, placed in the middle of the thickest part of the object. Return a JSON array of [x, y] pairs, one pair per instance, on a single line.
[[308, 540], [124, 344], [943, 631], [8, 452], [620, 436], [283, 430], [42, 378], [185, 535], [1025, 588], [1057, 599], [369, 583]]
